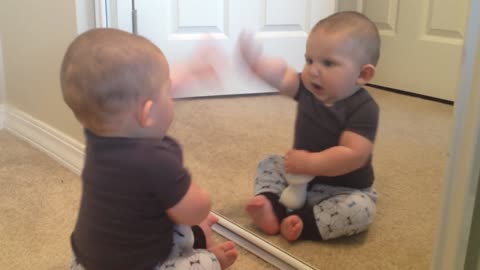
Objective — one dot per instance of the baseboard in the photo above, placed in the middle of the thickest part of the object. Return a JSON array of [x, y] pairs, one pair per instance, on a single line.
[[2, 116], [61, 147]]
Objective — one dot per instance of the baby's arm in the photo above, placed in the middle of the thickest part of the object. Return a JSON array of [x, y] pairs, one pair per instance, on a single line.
[[202, 65], [183, 75], [274, 71], [193, 208], [352, 153]]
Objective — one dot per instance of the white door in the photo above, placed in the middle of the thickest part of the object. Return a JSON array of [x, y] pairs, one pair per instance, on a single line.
[[422, 43], [176, 26]]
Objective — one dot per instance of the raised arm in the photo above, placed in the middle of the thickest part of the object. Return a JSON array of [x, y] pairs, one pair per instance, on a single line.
[[274, 71], [203, 65]]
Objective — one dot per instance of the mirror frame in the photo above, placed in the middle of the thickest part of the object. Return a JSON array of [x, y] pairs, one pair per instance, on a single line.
[[462, 177]]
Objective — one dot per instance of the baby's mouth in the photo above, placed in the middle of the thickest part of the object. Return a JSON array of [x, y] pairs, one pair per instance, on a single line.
[[317, 87]]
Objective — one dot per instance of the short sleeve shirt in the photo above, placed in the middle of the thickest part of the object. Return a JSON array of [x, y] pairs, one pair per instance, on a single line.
[[128, 184], [319, 127]]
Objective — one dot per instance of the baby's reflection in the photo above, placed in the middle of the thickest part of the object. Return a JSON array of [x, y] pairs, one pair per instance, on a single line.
[[335, 130]]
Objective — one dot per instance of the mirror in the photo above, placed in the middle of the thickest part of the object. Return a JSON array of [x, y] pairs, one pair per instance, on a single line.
[[225, 137]]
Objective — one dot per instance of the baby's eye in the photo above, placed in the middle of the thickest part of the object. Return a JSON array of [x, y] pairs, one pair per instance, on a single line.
[[328, 63], [308, 61]]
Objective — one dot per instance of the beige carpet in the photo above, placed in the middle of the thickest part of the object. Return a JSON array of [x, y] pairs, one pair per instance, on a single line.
[[223, 140]]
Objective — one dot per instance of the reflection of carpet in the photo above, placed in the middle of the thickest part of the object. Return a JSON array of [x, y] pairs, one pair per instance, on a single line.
[[224, 138]]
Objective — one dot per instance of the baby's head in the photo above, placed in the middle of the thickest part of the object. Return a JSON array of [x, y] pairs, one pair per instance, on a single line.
[[117, 83], [342, 53]]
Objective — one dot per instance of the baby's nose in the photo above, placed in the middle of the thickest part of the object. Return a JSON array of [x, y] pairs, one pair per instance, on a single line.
[[314, 70]]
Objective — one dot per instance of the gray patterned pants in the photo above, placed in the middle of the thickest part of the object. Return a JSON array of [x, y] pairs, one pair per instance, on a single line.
[[338, 211], [180, 257]]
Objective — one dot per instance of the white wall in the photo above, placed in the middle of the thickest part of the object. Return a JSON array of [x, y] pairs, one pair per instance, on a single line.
[[35, 36], [14, 31]]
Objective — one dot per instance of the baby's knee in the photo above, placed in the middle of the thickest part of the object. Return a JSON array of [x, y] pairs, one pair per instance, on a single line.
[[271, 174], [271, 161], [336, 219]]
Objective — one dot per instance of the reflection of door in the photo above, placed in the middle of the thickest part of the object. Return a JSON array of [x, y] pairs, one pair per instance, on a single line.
[[177, 25], [422, 43]]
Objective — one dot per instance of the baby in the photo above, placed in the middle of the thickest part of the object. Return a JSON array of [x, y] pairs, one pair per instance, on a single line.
[[135, 186], [335, 130]]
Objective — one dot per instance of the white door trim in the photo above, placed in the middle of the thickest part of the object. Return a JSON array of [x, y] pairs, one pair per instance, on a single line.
[[101, 17], [463, 173], [85, 13]]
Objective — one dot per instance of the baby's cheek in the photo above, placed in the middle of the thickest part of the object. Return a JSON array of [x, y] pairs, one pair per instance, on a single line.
[[305, 76]]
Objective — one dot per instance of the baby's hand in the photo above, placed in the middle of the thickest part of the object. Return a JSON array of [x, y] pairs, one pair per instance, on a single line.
[[250, 51], [204, 65], [207, 59], [296, 160], [272, 70]]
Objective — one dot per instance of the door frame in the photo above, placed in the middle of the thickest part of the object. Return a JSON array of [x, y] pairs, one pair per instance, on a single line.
[[459, 185]]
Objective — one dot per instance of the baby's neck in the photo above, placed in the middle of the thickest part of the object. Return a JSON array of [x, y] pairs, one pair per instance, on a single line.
[[349, 94], [127, 131], [139, 134]]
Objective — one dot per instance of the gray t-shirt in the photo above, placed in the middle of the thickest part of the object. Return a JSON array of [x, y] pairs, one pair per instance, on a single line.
[[128, 184], [319, 127]]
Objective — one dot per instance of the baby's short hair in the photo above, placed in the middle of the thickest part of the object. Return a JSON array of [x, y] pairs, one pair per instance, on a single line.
[[106, 71], [360, 28]]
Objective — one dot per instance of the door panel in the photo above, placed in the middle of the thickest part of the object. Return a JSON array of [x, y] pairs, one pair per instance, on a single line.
[[187, 17], [422, 43], [384, 14]]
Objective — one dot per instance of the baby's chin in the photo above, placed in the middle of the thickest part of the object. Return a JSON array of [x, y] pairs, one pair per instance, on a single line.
[[321, 95], [315, 89]]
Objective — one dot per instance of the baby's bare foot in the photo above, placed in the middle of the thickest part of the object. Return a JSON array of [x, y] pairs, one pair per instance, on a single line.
[[291, 227], [226, 253], [206, 226], [260, 209]]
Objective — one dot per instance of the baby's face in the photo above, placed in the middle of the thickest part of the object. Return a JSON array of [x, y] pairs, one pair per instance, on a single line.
[[166, 109], [331, 70]]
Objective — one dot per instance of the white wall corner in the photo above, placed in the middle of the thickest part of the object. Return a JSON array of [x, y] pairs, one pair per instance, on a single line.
[[61, 147]]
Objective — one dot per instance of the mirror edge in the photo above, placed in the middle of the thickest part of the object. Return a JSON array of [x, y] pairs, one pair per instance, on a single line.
[[257, 245], [463, 172]]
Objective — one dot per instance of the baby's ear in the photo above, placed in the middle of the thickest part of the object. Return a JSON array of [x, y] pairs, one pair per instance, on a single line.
[[366, 74], [146, 114]]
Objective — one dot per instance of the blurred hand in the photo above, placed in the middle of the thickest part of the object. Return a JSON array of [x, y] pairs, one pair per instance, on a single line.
[[296, 161], [207, 60], [272, 70], [205, 64], [250, 51]]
